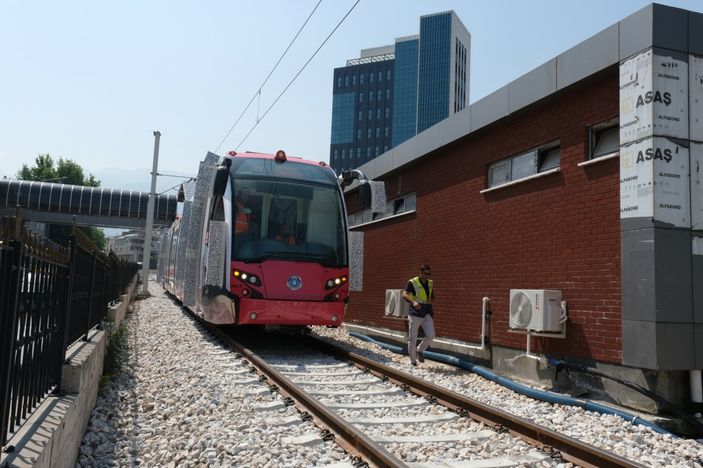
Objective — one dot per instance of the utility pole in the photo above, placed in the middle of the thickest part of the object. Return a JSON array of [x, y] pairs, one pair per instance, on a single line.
[[150, 216]]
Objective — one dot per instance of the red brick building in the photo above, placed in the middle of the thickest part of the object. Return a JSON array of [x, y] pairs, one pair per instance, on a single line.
[[523, 191]]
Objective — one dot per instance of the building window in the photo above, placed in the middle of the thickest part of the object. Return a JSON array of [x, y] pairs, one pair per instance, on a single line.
[[353, 80], [604, 139], [371, 74], [388, 93], [370, 114], [379, 94], [358, 134], [378, 132], [368, 133], [548, 158], [368, 152], [388, 75], [385, 148], [388, 111], [396, 206], [361, 78], [344, 154], [378, 150], [335, 154], [370, 95], [380, 76], [361, 97], [346, 81], [385, 132], [361, 114], [524, 165], [378, 113], [339, 81], [358, 153]]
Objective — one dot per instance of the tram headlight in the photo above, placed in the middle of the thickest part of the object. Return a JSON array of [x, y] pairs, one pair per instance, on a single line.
[[248, 278], [335, 318], [252, 316], [335, 282]]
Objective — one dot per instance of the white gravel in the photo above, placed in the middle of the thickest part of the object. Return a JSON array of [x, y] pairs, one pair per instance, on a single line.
[[634, 442], [182, 400]]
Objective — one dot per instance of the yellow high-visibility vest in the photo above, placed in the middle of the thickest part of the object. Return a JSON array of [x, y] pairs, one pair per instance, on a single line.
[[420, 295]]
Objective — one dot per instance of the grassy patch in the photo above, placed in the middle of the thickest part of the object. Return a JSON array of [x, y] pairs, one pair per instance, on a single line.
[[112, 363]]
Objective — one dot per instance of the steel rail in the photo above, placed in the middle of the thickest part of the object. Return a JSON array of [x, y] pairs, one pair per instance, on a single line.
[[545, 439], [352, 439]]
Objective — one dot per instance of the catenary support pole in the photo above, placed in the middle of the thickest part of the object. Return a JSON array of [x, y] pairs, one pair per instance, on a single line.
[[150, 216]]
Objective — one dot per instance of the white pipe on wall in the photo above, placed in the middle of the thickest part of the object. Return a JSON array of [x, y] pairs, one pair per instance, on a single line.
[[696, 387]]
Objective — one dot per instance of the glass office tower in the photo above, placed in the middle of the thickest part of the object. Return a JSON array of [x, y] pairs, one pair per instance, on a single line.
[[391, 93]]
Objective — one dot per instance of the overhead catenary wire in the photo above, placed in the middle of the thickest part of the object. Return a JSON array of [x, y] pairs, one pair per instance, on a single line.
[[258, 92], [258, 120]]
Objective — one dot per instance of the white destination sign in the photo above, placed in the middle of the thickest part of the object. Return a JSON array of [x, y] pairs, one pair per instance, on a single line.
[[654, 181], [653, 97]]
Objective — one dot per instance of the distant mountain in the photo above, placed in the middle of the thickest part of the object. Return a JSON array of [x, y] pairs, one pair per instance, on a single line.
[[136, 179]]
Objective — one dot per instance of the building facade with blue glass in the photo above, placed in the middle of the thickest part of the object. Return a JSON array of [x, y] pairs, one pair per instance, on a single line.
[[391, 93]]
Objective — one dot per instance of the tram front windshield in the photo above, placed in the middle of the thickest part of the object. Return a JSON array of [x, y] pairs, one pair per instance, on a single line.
[[288, 219]]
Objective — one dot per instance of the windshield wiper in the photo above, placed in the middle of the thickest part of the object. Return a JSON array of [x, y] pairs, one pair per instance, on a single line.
[[318, 258]]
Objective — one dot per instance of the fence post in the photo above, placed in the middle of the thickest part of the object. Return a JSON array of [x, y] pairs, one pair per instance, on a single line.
[[91, 299], [8, 319], [71, 285]]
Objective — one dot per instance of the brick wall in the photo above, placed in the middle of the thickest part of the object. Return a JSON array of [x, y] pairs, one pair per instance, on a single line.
[[560, 231]]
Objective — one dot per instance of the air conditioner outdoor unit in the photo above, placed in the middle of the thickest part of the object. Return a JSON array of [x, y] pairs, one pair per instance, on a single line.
[[535, 309], [394, 303]]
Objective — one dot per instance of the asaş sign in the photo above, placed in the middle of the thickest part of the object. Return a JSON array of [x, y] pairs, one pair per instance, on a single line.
[[653, 97], [654, 181]]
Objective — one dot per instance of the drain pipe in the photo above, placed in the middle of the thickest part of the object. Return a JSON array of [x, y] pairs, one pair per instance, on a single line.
[[537, 394], [485, 312], [696, 390]]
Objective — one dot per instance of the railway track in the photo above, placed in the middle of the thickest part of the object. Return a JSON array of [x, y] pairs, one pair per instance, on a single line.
[[385, 417]]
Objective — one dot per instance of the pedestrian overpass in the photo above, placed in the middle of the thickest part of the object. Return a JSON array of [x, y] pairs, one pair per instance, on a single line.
[[45, 202]]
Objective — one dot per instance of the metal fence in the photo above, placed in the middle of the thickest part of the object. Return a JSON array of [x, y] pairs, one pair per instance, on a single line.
[[50, 297]]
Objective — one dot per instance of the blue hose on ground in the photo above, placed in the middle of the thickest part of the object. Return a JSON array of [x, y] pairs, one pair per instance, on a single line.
[[542, 395]]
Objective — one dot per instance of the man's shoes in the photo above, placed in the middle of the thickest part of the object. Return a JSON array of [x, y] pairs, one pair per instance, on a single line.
[[420, 357], [414, 364]]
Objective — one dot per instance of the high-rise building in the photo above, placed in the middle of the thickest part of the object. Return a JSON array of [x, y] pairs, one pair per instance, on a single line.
[[391, 93]]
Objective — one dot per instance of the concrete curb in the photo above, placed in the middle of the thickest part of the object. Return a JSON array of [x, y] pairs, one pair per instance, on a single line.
[[52, 436]]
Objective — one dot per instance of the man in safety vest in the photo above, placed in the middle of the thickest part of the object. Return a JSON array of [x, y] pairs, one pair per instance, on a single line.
[[420, 295], [241, 220]]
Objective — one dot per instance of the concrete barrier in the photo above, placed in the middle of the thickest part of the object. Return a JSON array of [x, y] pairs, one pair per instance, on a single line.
[[51, 438]]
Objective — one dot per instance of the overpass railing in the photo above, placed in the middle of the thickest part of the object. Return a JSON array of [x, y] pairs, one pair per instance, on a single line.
[[50, 297]]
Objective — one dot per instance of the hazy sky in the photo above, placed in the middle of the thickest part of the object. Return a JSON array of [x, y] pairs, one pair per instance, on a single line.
[[91, 81]]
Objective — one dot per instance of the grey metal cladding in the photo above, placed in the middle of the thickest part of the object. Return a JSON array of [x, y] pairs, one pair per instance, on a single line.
[[698, 345], [656, 275], [697, 278], [639, 344], [533, 86], [489, 109], [635, 32], [654, 25], [590, 56], [675, 346], [695, 33], [670, 31], [653, 345], [673, 264]]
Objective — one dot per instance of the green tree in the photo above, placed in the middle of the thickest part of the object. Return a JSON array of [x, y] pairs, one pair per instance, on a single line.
[[66, 171]]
